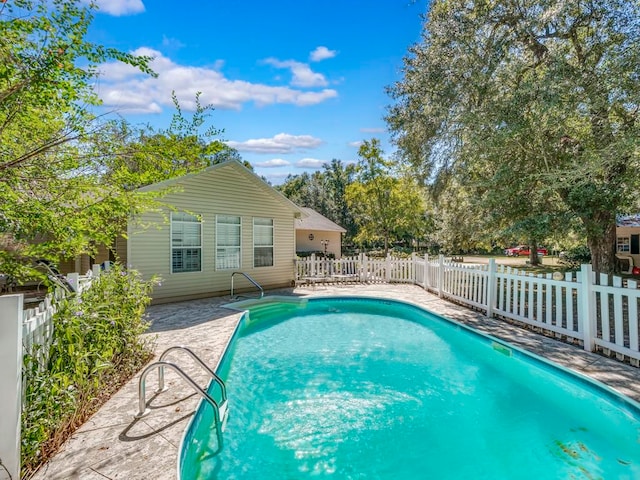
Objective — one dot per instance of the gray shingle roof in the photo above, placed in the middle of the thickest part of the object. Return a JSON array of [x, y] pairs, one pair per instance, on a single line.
[[315, 221]]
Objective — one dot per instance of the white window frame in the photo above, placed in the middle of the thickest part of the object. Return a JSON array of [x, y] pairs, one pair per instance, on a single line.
[[172, 247], [218, 267], [272, 246], [623, 244]]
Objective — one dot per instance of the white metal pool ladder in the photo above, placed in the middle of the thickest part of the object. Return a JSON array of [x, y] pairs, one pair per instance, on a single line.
[[220, 411], [248, 277]]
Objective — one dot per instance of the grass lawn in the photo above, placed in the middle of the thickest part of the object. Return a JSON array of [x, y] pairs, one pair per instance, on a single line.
[[549, 264]]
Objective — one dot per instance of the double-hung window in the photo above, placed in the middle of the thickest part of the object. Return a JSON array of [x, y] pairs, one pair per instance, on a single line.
[[228, 229], [262, 242], [186, 243]]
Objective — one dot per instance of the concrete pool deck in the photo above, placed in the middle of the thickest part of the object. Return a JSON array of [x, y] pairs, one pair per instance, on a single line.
[[112, 444]]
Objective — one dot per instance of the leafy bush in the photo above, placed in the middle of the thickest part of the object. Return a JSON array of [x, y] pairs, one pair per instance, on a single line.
[[576, 256], [96, 347]]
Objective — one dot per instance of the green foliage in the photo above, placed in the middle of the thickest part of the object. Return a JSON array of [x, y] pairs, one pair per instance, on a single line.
[[325, 192], [575, 256], [385, 207], [533, 105], [68, 180], [96, 347], [131, 158]]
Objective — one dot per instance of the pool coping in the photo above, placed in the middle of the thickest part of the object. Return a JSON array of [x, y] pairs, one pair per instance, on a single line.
[[112, 444]]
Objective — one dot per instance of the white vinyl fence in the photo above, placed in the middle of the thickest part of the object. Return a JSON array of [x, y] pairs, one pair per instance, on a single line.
[[20, 330], [598, 311]]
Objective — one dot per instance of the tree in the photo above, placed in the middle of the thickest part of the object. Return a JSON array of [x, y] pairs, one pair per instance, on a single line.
[[70, 183], [384, 207], [337, 178], [306, 190], [542, 91], [131, 157], [229, 153]]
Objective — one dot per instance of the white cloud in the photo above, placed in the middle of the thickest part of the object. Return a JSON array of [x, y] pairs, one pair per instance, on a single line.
[[122, 86], [119, 8], [356, 144], [373, 130], [172, 43], [280, 143], [277, 178], [310, 163], [303, 76], [275, 162], [322, 53]]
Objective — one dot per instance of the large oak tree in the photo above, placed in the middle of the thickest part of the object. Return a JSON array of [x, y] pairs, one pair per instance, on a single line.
[[545, 91]]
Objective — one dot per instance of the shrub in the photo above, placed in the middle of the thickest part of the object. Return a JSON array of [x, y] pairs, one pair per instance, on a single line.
[[96, 347], [576, 256]]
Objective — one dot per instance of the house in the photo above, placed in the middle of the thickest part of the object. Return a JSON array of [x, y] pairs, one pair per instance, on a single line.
[[222, 220], [628, 237], [316, 233]]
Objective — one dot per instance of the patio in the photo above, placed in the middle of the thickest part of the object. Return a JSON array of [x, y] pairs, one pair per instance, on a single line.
[[112, 444]]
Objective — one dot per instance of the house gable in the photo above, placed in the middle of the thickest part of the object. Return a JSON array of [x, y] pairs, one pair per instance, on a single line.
[[227, 190]]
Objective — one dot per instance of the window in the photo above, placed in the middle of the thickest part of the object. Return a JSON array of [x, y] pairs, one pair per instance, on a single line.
[[186, 243], [228, 231], [262, 242], [623, 244]]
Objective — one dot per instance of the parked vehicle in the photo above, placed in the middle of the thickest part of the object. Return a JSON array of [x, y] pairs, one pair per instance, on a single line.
[[523, 251]]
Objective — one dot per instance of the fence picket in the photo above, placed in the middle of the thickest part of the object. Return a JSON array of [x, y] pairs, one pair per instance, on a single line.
[[604, 308], [632, 285], [617, 315]]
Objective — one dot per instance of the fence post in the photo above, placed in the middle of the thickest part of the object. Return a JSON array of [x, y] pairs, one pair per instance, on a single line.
[[313, 265], [364, 268], [586, 319], [11, 307], [74, 280], [387, 268], [414, 257], [440, 275], [425, 280], [491, 287]]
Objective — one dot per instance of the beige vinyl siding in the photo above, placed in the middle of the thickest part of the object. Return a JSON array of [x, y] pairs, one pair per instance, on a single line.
[[223, 191]]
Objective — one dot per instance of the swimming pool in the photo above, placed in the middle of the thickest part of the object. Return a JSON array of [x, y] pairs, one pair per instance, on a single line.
[[354, 388]]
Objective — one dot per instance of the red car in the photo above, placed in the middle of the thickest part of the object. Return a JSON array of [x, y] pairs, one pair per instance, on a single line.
[[523, 251]]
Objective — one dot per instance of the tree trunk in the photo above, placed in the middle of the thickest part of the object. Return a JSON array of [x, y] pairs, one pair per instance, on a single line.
[[601, 240], [533, 253]]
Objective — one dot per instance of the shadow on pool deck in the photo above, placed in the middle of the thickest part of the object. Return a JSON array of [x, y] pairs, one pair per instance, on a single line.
[[114, 445]]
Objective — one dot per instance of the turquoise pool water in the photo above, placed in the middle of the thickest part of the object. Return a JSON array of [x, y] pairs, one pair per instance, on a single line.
[[368, 389]]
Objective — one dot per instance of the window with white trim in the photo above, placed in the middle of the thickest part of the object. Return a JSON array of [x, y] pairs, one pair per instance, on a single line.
[[228, 235], [186, 243], [262, 242], [623, 244]]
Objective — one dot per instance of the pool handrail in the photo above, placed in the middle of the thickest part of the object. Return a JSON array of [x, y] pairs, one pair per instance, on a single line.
[[248, 277], [198, 360], [219, 409]]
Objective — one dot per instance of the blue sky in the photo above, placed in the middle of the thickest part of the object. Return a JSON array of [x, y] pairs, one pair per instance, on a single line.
[[294, 83]]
